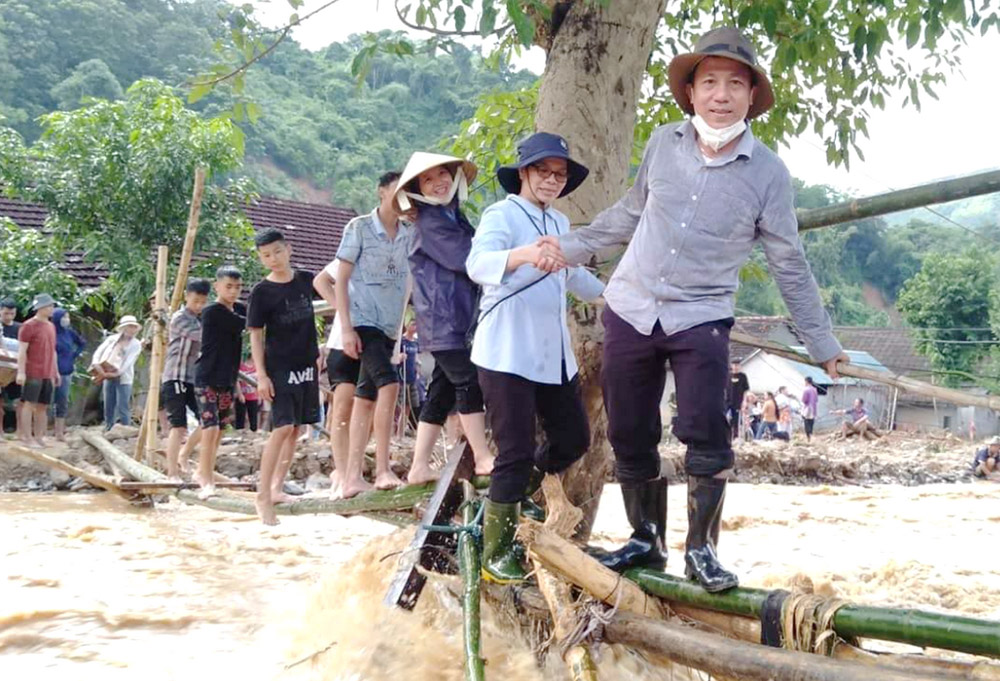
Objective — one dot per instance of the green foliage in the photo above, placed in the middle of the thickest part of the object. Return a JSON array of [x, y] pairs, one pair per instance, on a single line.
[[91, 78], [117, 180], [946, 302], [28, 262], [832, 62]]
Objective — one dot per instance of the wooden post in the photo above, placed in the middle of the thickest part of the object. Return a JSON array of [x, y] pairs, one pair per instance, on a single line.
[[147, 429], [182, 276], [561, 520], [725, 657], [569, 562], [192, 232]]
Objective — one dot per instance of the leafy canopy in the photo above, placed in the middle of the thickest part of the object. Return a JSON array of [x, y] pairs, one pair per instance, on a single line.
[[29, 266], [117, 180], [948, 302]]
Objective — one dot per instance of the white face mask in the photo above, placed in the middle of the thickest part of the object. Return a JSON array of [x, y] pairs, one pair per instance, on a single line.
[[714, 138]]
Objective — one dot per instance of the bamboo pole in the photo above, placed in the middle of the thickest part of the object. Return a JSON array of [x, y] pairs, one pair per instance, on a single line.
[[180, 283], [468, 564], [904, 383], [192, 231], [726, 657], [566, 560], [146, 442], [400, 499], [902, 199], [94, 479], [915, 627]]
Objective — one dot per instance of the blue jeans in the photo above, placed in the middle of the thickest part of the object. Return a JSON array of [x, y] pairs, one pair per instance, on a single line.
[[60, 404], [765, 427], [116, 403]]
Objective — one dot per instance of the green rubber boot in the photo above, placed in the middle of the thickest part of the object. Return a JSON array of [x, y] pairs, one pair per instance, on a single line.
[[501, 564]]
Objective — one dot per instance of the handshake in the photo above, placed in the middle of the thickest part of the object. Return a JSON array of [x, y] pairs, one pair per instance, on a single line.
[[545, 255]]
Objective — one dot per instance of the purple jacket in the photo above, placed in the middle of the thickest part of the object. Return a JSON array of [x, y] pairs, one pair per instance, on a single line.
[[443, 295]]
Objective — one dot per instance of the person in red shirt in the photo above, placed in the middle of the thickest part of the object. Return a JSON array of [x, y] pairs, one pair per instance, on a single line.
[[37, 370]]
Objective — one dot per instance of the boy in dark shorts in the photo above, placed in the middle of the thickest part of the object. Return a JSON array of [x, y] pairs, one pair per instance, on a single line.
[[37, 370], [370, 296], [283, 342], [217, 368], [177, 394]]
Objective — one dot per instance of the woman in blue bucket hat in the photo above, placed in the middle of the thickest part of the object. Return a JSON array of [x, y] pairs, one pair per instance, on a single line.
[[522, 345]]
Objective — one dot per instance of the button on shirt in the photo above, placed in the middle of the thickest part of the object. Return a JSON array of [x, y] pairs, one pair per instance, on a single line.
[[378, 282], [525, 334], [692, 224]]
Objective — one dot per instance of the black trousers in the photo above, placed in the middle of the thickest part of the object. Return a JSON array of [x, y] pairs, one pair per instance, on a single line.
[[516, 406], [633, 378], [454, 384], [246, 412]]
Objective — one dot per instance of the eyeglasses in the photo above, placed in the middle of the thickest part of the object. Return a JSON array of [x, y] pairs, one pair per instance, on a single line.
[[545, 173]]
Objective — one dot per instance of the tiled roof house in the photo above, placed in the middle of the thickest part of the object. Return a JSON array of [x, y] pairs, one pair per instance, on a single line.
[[313, 230]]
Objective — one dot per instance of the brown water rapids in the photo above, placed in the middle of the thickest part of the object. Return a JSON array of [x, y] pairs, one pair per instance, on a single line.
[[91, 588]]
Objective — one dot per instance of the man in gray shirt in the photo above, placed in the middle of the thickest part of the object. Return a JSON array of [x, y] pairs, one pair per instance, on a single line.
[[705, 192]]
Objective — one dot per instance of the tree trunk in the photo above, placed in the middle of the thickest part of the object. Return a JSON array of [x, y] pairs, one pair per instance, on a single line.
[[589, 95]]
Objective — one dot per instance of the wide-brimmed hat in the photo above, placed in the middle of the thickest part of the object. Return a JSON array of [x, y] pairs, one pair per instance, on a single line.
[[422, 161], [538, 147], [42, 300], [994, 441], [127, 320], [720, 42]]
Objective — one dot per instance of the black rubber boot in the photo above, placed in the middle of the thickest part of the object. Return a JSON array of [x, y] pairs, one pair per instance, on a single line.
[[646, 509], [705, 500], [501, 559]]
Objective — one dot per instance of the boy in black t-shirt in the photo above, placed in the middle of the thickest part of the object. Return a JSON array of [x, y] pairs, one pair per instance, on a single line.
[[286, 359], [217, 368]]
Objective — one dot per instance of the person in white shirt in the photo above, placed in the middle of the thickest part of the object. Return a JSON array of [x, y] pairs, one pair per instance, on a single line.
[[119, 350], [522, 345]]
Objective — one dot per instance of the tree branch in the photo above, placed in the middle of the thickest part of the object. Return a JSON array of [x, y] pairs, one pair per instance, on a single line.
[[283, 32], [441, 32]]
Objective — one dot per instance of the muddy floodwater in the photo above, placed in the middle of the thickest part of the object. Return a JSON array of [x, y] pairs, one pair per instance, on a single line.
[[91, 588]]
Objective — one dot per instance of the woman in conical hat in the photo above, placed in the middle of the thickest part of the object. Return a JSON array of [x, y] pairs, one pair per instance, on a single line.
[[433, 186], [522, 346]]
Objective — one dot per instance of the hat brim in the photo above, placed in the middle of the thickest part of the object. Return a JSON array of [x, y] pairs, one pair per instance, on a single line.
[[683, 65], [510, 177], [422, 161]]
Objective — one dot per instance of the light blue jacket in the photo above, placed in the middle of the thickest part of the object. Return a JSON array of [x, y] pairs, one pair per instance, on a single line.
[[526, 334]]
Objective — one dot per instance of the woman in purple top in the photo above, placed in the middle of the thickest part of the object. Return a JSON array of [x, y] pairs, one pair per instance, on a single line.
[[445, 300], [810, 399]]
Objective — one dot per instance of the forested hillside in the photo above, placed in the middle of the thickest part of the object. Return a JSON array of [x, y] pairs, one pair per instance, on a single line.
[[320, 135]]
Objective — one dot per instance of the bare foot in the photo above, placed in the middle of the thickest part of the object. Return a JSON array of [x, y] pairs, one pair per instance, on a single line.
[[424, 474], [336, 491], [485, 467], [387, 480], [265, 510], [352, 488], [282, 498], [40, 442], [206, 491]]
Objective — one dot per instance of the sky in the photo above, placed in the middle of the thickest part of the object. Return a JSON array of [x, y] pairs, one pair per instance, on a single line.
[[957, 134]]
